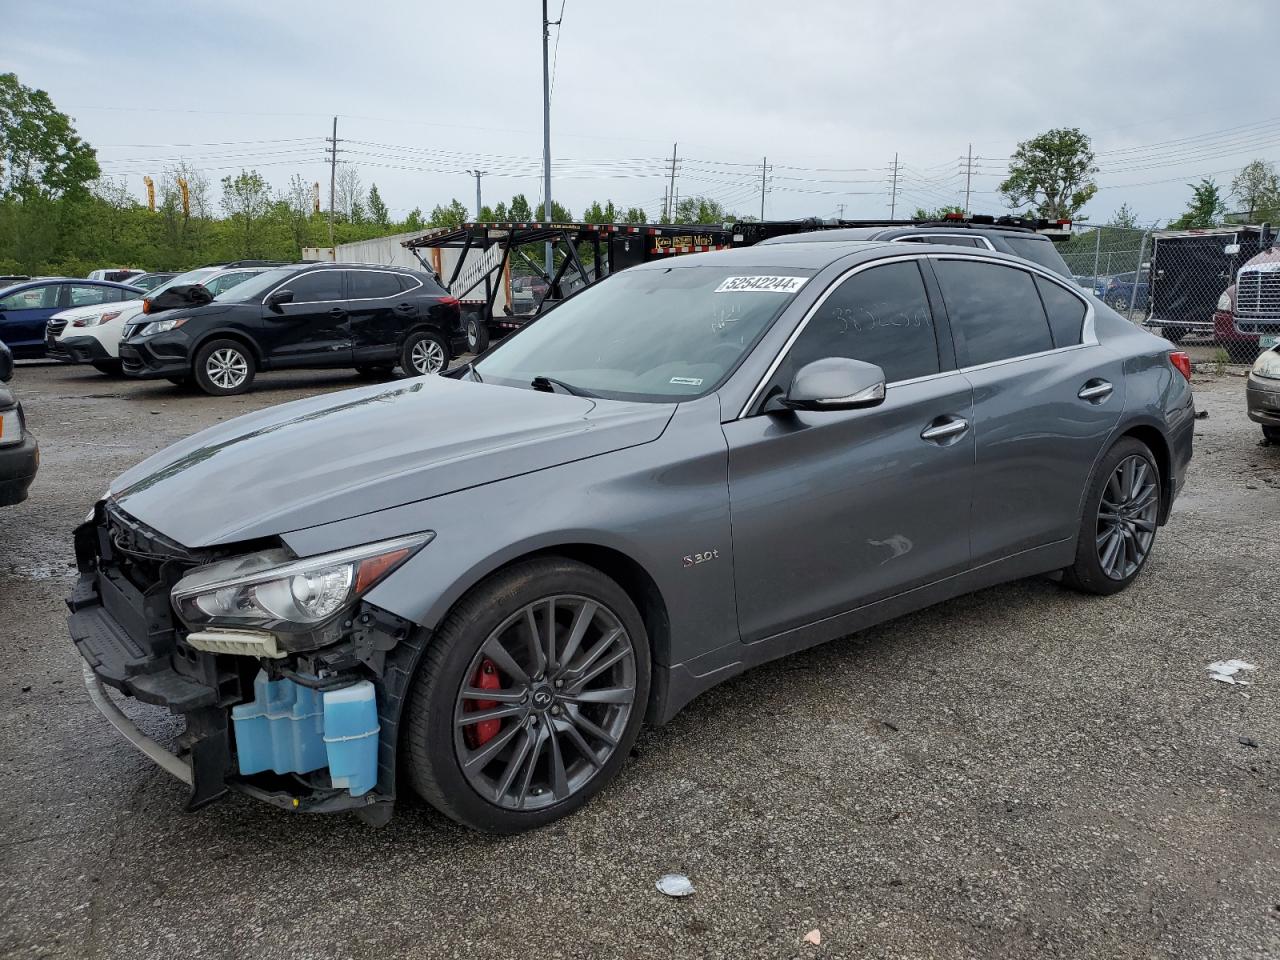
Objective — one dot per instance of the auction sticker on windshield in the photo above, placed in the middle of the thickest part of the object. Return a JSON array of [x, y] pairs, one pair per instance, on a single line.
[[761, 284]]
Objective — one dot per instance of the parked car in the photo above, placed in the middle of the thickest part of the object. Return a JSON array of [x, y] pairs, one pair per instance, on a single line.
[[306, 315], [149, 281], [526, 292], [19, 453], [1017, 241], [92, 334], [1263, 393], [1117, 290], [25, 307], [478, 586], [116, 274]]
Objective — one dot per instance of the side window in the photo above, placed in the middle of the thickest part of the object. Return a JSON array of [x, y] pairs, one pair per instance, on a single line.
[[83, 295], [944, 238], [371, 284], [880, 315], [32, 298], [409, 283], [1066, 312], [316, 286], [995, 311]]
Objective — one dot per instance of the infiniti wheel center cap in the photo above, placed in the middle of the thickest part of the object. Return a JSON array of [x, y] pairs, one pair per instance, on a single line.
[[543, 697]]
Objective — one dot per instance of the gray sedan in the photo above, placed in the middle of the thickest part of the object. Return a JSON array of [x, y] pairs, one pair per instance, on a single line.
[[478, 586]]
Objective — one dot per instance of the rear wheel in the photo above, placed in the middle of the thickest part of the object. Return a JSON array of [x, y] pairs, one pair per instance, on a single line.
[[477, 335], [112, 368], [529, 698], [1122, 508], [224, 368], [424, 352]]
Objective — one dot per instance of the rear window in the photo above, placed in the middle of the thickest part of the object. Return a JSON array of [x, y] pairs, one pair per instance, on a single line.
[[1038, 250], [371, 284], [995, 311], [1066, 312]]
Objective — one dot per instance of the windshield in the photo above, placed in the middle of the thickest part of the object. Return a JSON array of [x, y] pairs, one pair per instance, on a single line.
[[191, 276], [655, 335], [256, 286], [1039, 251]]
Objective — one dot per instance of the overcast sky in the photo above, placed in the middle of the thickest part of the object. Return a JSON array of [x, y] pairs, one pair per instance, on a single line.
[[828, 90]]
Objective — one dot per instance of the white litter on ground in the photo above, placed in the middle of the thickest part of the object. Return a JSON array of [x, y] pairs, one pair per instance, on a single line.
[[675, 885], [1225, 671]]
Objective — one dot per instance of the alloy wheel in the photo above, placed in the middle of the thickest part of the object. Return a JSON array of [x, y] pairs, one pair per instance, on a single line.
[[227, 368], [1127, 518], [544, 702], [427, 356]]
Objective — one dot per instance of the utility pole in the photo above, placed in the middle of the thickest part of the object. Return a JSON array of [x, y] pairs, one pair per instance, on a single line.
[[333, 185], [893, 195], [764, 183], [670, 210], [477, 174], [968, 179], [546, 134], [840, 211]]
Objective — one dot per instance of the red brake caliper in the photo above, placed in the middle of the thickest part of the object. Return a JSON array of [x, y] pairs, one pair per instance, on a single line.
[[486, 678]]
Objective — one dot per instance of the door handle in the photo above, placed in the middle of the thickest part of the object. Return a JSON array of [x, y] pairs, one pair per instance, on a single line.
[[1095, 391], [944, 428], [337, 313]]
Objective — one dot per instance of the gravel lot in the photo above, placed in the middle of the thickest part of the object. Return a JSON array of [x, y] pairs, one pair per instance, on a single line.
[[1022, 772]]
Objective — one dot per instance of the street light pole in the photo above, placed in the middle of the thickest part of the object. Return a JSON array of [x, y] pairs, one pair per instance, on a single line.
[[546, 134], [477, 174]]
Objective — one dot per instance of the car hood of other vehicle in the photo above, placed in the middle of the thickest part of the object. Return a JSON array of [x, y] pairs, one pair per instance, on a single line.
[[346, 454]]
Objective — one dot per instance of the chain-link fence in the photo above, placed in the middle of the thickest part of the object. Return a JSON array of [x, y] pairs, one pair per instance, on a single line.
[[1182, 284]]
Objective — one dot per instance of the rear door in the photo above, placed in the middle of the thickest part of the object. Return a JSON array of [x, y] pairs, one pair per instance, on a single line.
[[1046, 397], [313, 329], [23, 314], [380, 311]]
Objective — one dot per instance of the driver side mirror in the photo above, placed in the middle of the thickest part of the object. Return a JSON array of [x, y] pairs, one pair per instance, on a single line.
[[279, 297], [833, 383]]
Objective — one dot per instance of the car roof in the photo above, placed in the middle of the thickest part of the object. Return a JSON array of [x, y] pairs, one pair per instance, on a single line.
[[887, 233], [330, 265]]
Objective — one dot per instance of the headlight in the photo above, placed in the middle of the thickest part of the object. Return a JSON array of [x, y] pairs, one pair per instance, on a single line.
[[160, 326], [1224, 301], [94, 321], [10, 427], [1268, 365], [272, 591]]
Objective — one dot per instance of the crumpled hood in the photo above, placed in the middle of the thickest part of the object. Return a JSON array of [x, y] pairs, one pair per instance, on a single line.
[[346, 454]]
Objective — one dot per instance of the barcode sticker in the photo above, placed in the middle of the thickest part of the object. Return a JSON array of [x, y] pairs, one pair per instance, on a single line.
[[761, 284]]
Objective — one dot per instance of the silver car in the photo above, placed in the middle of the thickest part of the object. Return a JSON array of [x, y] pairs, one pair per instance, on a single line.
[[478, 586]]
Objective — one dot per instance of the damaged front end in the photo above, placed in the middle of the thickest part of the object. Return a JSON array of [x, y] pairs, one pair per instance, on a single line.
[[290, 684]]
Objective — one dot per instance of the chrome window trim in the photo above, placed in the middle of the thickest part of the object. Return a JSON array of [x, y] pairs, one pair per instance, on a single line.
[[1088, 334], [389, 273], [943, 238]]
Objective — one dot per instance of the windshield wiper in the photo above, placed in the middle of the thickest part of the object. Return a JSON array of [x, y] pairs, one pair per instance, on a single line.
[[548, 385]]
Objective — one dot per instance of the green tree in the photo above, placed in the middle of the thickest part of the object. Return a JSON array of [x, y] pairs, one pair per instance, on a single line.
[[500, 213], [454, 215], [487, 215], [559, 214], [1257, 188], [520, 211], [634, 215], [1205, 208], [39, 149], [378, 212], [938, 213], [296, 211], [1124, 217], [700, 210], [1052, 174], [414, 220], [596, 213], [246, 200]]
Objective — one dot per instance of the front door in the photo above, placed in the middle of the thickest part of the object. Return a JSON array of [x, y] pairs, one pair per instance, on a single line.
[[1046, 398], [23, 314], [313, 329], [833, 510]]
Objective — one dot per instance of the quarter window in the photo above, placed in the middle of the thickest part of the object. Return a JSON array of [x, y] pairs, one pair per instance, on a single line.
[[995, 311], [881, 316], [1066, 312], [371, 284], [320, 285]]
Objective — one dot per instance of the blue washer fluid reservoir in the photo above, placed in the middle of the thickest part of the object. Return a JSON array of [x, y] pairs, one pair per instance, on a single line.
[[351, 737], [281, 730]]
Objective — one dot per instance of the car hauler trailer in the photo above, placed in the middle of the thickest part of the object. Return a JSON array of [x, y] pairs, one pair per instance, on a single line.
[[482, 256]]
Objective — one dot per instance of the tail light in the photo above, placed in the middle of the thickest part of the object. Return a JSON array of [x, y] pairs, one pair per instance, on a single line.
[[1182, 362], [451, 301]]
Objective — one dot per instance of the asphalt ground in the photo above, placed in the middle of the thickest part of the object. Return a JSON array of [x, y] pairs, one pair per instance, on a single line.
[[1022, 772]]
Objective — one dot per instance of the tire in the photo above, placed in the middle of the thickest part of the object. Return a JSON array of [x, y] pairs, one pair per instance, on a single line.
[[378, 372], [1110, 553], [1272, 434], [112, 368], [224, 368], [425, 352], [1174, 334], [549, 720], [477, 335]]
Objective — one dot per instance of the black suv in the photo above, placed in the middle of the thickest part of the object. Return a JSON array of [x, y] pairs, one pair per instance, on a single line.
[[1029, 239], [19, 454], [306, 315]]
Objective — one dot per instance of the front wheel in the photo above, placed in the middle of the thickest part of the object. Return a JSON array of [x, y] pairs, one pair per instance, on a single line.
[[529, 697], [424, 352], [1122, 509], [224, 368]]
